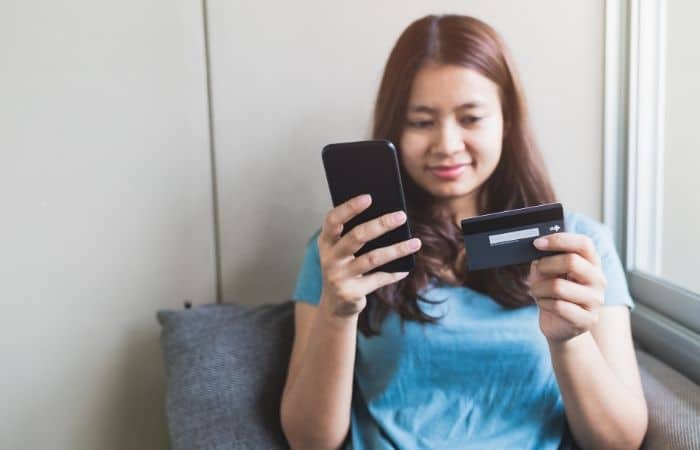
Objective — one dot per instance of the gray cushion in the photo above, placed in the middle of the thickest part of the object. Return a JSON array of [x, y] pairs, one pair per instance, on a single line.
[[225, 368], [674, 406]]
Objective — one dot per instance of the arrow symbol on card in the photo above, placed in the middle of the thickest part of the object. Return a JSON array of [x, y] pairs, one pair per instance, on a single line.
[[555, 228]]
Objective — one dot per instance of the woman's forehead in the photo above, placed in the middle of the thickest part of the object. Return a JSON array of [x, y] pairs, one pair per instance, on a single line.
[[448, 87]]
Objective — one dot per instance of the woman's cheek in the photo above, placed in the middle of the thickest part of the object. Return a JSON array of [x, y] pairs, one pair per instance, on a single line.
[[412, 145], [489, 145], [496, 141]]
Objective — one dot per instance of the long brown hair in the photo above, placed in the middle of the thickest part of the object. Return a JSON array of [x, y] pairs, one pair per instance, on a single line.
[[519, 180]]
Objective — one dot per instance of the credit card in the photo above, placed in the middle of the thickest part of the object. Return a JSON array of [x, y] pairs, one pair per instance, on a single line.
[[505, 238]]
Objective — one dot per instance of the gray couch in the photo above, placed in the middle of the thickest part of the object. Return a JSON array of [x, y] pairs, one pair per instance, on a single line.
[[226, 366]]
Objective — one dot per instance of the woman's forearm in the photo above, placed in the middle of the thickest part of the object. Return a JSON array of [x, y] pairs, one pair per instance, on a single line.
[[602, 412], [316, 404]]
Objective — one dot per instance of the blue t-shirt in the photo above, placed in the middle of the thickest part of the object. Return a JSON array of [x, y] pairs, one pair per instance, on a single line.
[[479, 378]]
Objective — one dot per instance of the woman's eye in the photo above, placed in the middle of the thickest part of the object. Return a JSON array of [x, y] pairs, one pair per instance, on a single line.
[[420, 123], [468, 120]]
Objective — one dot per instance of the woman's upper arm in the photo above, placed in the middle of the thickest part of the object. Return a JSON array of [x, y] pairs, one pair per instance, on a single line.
[[307, 292], [304, 315]]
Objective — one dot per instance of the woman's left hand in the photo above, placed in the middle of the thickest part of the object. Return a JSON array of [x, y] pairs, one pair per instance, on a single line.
[[569, 288]]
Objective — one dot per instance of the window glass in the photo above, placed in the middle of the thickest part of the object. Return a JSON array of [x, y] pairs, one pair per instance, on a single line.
[[667, 191]]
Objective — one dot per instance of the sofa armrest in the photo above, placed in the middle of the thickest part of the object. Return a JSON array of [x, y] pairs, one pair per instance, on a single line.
[[674, 406]]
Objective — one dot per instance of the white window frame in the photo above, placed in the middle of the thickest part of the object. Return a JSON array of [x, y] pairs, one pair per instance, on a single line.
[[666, 319]]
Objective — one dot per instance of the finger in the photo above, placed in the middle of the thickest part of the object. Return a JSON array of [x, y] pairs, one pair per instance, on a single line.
[[338, 216], [365, 232], [569, 243], [375, 258], [559, 288], [372, 282], [571, 265], [578, 317]]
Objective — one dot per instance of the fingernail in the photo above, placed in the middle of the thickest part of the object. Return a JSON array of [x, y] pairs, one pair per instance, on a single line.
[[398, 217], [363, 200], [414, 244], [540, 242]]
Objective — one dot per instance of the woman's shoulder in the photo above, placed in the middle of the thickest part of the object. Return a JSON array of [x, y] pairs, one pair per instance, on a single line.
[[617, 292], [580, 223], [308, 285], [312, 242], [598, 232]]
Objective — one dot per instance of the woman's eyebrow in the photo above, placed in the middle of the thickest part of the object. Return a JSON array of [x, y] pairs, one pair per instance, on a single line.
[[422, 108], [429, 110], [470, 105]]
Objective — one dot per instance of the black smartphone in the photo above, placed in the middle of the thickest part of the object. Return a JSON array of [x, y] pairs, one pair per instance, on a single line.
[[369, 167]]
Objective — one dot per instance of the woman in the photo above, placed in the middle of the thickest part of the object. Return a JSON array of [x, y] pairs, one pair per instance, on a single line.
[[442, 357]]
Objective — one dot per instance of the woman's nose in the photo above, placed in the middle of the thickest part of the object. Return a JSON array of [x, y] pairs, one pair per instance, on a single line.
[[449, 139]]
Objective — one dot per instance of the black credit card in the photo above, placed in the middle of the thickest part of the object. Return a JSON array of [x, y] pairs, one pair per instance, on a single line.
[[505, 238]]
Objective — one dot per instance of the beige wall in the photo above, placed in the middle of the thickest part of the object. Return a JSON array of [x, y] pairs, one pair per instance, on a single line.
[[289, 77], [106, 214]]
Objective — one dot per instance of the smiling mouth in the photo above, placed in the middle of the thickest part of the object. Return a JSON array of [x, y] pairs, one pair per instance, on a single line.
[[449, 172]]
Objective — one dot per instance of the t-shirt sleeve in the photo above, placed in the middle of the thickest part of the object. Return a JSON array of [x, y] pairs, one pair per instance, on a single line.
[[310, 278], [617, 291]]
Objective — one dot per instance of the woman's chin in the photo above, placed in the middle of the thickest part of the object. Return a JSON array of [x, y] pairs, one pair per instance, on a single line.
[[451, 190]]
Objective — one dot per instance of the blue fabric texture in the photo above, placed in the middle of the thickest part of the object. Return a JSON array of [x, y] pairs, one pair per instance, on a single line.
[[480, 378]]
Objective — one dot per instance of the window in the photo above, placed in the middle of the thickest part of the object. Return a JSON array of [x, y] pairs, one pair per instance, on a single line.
[[652, 159]]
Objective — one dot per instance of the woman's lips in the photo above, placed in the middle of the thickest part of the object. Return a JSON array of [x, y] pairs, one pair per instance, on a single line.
[[449, 172]]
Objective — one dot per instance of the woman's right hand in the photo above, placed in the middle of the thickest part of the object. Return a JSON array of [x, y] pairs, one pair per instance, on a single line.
[[345, 285]]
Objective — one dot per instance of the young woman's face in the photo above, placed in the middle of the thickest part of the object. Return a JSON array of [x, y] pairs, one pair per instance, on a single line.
[[452, 138]]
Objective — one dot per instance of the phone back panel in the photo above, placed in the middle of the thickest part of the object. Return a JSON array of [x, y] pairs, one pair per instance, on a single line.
[[369, 167]]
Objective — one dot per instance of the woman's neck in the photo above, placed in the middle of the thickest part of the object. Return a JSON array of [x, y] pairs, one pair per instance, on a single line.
[[463, 208]]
